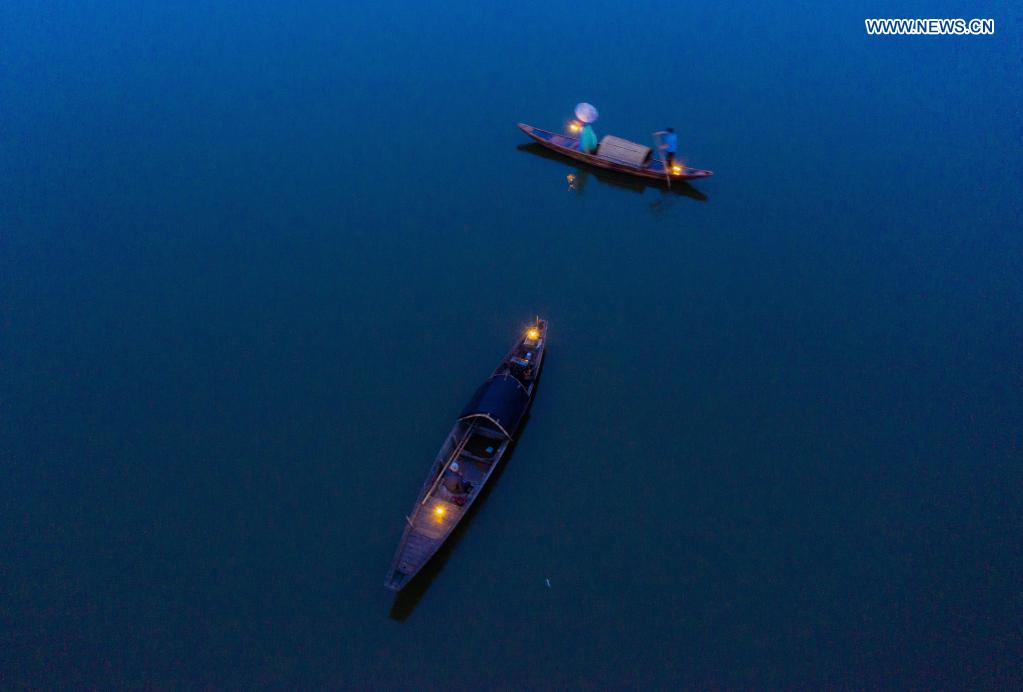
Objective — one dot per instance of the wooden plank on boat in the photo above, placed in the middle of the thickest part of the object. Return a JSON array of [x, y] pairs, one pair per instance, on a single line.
[[623, 150], [437, 518]]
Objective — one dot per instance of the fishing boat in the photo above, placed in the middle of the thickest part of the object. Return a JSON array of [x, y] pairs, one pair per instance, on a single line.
[[473, 449], [615, 154]]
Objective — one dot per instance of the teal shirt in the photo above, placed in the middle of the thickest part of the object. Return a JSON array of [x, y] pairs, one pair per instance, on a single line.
[[588, 140]]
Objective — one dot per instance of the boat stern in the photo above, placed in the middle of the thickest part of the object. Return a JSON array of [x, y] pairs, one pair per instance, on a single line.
[[396, 580]]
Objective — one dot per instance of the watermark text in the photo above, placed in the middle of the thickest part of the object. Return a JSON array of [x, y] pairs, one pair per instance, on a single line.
[[930, 27]]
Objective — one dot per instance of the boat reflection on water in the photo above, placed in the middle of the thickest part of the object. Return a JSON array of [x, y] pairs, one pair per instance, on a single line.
[[581, 175]]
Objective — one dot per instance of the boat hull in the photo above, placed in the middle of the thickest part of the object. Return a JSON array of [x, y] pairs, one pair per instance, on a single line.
[[478, 443], [569, 146]]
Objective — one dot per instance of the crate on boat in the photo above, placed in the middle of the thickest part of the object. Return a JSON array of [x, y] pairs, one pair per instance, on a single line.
[[619, 149]]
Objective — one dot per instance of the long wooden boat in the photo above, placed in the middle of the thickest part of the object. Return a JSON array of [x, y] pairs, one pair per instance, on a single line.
[[473, 449], [652, 169]]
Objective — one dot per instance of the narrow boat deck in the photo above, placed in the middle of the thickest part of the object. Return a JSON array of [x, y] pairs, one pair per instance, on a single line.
[[439, 510], [471, 452], [435, 517], [557, 139]]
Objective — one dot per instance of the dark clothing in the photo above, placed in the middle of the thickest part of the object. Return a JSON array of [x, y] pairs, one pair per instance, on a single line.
[[455, 484]]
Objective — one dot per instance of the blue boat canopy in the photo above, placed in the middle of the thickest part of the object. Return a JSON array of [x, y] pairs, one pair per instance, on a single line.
[[501, 400]]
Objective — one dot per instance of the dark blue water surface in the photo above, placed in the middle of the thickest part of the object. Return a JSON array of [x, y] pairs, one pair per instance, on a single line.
[[255, 256]]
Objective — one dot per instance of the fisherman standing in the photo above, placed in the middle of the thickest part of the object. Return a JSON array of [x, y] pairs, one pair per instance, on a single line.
[[669, 145]]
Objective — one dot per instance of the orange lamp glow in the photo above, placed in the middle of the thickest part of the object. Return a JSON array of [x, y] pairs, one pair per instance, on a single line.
[[533, 334], [677, 170], [439, 511], [574, 126]]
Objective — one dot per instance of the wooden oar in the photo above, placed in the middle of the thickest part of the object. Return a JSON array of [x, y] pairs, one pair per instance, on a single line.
[[664, 163]]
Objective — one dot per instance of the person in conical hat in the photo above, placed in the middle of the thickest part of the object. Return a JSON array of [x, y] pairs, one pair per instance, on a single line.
[[587, 115], [588, 140]]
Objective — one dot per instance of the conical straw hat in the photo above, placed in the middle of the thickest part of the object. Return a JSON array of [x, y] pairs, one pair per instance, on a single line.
[[586, 113]]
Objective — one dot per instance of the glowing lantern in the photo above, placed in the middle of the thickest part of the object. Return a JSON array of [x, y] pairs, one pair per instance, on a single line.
[[533, 334]]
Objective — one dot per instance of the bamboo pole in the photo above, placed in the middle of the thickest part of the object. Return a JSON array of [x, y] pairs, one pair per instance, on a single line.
[[667, 175]]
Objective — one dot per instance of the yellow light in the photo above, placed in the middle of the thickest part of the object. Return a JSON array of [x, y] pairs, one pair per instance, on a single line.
[[439, 511], [573, 126], [533, 334], [677, 170]]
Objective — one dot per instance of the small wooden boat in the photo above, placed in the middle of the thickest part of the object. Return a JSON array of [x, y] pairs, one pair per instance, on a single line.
[[615, 154], [472, 451]]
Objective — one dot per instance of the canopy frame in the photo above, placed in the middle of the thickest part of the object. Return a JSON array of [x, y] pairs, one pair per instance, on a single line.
[[493, 403]]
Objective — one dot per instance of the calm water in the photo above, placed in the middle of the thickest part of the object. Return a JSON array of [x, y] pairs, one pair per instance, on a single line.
[[254, 259]]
